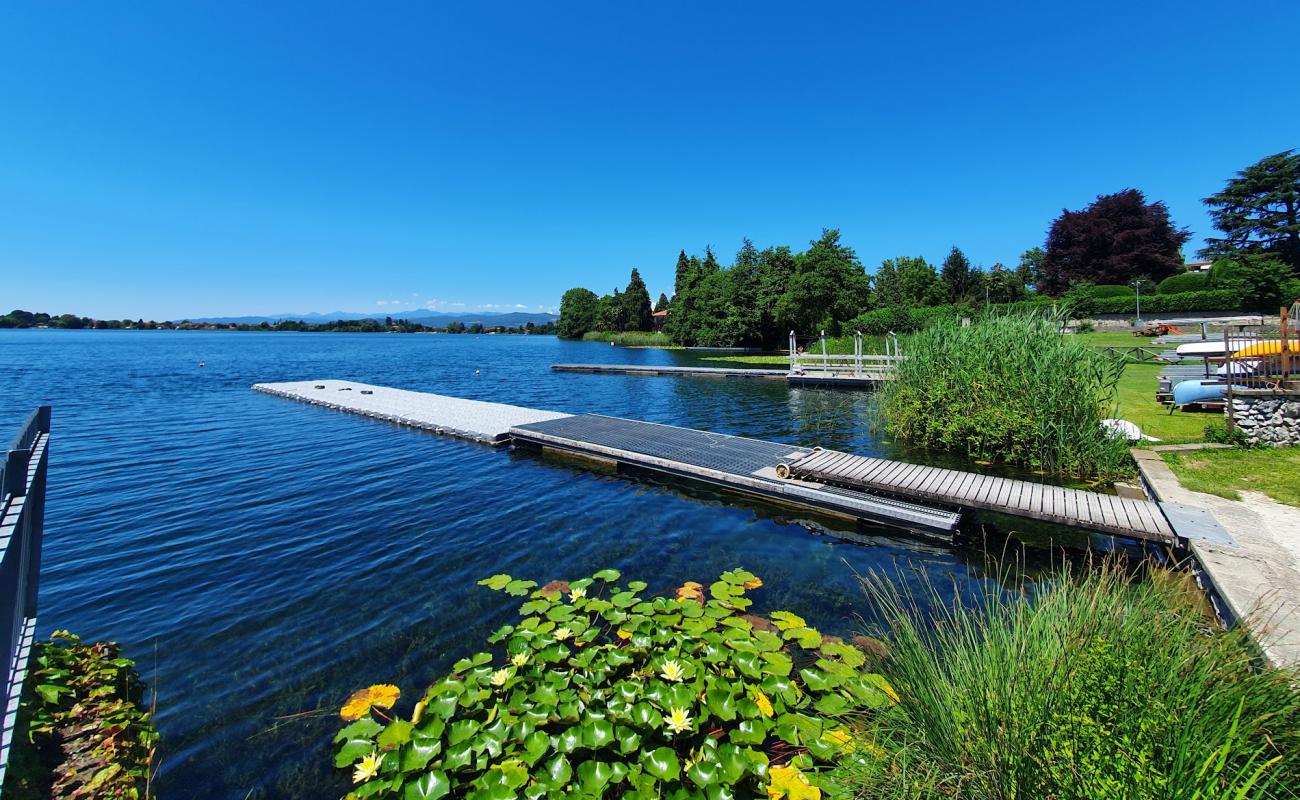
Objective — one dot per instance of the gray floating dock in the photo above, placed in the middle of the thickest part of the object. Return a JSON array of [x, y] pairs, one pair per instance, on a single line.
[[453, 416], [733, 462], [1121, 516], [656, 369]]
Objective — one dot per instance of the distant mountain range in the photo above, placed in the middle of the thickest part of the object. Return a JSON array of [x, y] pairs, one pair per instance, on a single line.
[[511, 319]]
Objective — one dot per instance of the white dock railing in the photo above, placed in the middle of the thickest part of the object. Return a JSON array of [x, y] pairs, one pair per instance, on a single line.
[[859, 364]]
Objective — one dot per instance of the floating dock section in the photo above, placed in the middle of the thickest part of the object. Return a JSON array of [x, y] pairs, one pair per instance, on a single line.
[[732, 462], [872, 489], [476, 420]]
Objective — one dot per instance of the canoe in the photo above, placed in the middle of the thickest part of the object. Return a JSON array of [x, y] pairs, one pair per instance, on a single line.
[[1271, 348], [1207, 348], [1199, 391]]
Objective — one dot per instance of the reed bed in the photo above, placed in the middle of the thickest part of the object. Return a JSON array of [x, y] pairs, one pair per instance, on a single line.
[[630, 338], [1097, 687], [1011, 388]]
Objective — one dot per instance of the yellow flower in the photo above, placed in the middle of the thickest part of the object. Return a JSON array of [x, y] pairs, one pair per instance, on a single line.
[[367, 767], [500, 677], [678, 721], [382, 695], [519, 659], [672, 671], [577, 593], [762, 702], [753, 583], [562, 634]]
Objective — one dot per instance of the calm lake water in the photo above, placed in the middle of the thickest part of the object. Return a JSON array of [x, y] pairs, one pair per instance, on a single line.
[[261, 558]]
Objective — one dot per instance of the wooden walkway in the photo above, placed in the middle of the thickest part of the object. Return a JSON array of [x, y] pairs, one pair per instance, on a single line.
[[658, 369], [1139, 519]]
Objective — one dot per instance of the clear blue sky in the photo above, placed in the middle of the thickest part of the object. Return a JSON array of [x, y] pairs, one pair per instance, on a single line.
[[186, 159]]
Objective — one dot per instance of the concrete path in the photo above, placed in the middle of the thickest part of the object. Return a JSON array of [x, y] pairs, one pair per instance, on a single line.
[[453, 416], [1258, 576]]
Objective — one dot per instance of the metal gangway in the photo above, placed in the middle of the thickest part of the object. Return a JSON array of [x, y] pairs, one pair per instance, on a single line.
[[860, 365]]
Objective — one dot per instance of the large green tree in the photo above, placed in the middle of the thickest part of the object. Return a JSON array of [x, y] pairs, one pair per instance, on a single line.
[[958, 276], [908, 282], [635, 313], [683, 275], [829, 287], [1115, 239], [1258, 211], [662, 303], [577, 313]]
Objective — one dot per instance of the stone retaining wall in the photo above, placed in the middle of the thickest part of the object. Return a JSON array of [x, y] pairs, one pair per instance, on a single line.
[[1268, 419]]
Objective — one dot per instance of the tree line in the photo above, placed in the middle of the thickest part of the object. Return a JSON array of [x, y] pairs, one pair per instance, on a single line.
[[19, 318], [1102, 250]]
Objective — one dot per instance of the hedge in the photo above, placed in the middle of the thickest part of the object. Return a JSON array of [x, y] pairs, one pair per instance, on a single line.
[[1208, 300], [1112, 290], [898, 319], [1185, 282]]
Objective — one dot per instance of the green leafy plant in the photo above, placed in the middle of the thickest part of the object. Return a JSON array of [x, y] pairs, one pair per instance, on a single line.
[[88, 735], [600, 691]]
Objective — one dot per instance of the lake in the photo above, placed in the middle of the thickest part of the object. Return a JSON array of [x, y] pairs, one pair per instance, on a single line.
[[261, 558]]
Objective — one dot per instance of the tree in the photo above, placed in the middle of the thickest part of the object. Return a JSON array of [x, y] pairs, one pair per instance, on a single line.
[[1117, 238], [1256, 278], [612, 314], [956, 276], [577, 313], [635, 312], [1030, 268], [1259, 211], [908, 282], [776, 267], [662, 304], [683, 275], [1004, 285], [829, 286]]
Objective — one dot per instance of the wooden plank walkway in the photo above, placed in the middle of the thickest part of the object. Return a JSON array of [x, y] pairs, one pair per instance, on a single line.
[[1122, 516], [452, 416], [731, 462], [663, 369]]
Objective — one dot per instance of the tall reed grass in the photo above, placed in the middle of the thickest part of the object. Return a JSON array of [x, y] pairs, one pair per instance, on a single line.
[[630, 338], [1009, 387], [1095, 688]]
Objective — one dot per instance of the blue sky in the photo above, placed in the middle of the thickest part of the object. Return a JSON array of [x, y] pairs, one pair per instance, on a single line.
[[187, 159]]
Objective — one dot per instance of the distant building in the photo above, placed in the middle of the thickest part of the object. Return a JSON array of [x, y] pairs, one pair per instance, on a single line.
[[658, 318], [1197, 266]]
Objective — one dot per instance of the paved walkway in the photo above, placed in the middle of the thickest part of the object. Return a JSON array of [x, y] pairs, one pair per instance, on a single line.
[[1258, 576]]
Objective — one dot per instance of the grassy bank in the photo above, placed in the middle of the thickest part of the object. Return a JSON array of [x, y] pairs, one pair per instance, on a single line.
[[1097, 687], [630, 338], [1136, 392], [1271, 470]]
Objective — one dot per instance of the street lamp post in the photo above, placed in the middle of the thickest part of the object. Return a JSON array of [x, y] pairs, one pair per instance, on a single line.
[[1137, 285]]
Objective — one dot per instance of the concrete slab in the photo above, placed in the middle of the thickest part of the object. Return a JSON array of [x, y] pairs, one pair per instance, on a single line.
[[1257, 576], [453, 416]]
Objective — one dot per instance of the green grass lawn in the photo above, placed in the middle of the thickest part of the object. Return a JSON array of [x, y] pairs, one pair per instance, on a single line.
[[1137, 404], [1271, 470]]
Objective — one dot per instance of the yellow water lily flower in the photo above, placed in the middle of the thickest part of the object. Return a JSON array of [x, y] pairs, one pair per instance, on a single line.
[[577, 593], [562, 634], [760, 700], [753, 583], [367, 767], [382, 695], [500, 677], [519, 659], [672, 671], [678, 721]]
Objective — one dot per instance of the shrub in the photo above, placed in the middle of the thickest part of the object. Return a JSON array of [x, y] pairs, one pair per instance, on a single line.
[[1290, 291], [1094, 688], [1209, 300], [604, 692], [1257, 280], [1112, 290], [1008, 388], [1185, 282], [87, 733]]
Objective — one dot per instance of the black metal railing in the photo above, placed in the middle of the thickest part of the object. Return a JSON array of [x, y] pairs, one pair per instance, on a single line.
[[22, 525]]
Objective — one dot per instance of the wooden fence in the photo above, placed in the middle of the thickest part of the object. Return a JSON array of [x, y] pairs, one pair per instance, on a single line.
[[22, 525]]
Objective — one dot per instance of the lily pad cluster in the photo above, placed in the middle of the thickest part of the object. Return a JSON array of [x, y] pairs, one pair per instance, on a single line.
[[599, 691]]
